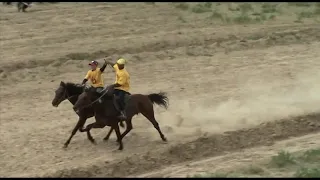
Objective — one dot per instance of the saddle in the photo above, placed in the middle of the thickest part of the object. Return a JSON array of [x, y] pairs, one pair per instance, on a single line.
[[101, 92], [107, 90]]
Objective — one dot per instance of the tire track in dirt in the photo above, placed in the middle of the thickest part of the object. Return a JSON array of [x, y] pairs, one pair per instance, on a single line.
[[213, 145]]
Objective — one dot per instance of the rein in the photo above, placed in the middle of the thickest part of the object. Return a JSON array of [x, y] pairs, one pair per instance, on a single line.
[[66, 94], [96, 99]]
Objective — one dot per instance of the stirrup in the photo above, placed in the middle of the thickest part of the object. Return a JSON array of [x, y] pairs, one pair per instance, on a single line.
[[122, 115]]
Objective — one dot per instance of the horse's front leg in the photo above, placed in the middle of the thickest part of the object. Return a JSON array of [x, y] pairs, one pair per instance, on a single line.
[[89, 127], [108, 135], [79, 125], [115, 126]]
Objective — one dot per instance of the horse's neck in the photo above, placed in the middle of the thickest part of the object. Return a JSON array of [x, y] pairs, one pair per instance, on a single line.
[[73, 100], [73, 95]]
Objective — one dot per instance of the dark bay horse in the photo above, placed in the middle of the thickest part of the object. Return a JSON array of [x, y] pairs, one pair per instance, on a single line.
[[71, 92], [106, 113]]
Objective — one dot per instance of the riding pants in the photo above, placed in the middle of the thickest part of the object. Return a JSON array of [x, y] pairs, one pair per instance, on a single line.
[[121, 94]]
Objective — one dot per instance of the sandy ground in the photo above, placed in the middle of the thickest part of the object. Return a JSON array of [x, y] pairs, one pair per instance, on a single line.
[[218, 78], [239, 159]]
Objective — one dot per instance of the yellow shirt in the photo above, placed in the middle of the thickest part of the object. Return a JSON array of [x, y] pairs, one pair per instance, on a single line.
[[122, 78], [95, 77]]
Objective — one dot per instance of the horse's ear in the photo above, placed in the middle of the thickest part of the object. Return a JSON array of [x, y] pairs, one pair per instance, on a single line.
[[62, 84]]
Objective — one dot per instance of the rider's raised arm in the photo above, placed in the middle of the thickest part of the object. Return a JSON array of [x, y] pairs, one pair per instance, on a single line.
[[103, 67], [112, 65], [109, 63]]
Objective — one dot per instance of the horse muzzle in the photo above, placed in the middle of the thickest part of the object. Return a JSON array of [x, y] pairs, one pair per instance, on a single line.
[[55, 104]]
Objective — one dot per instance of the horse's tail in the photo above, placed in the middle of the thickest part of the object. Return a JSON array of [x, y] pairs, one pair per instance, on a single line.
[[159, 98]]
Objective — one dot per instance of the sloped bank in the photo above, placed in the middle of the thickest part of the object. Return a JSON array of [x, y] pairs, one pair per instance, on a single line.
[[207, 43], [213, 145]]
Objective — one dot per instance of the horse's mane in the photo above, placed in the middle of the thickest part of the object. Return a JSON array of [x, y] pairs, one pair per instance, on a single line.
[[74, 88]]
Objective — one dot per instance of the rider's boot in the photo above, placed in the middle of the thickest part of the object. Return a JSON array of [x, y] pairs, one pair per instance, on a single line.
[[123, 115], [100, 98]]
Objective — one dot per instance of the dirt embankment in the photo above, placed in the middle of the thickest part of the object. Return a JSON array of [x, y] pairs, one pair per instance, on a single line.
[[213, 145]]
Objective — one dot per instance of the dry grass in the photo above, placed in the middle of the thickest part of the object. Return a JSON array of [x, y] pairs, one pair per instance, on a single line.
[[49, 33], [299, 164], [248, 13]]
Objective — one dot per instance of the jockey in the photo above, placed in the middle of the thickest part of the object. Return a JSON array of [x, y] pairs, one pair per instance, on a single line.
[[121, 85], [95, 76]]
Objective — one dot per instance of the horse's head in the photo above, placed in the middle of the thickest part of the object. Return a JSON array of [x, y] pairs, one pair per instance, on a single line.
[[66, 91], [85, 98], [61, 94]]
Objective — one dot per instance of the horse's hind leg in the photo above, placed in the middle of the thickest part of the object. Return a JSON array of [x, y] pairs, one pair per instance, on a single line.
[[79, 124], [150, 116], [128, 129]]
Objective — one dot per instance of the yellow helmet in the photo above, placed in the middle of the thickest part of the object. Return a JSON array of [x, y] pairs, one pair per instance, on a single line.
[[121, 61]]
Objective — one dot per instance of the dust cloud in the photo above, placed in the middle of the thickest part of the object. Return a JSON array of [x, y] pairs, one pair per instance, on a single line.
[[259, 102]]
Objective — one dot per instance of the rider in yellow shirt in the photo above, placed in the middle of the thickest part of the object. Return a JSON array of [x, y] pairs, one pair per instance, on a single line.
[[95, 76], [121, 85]]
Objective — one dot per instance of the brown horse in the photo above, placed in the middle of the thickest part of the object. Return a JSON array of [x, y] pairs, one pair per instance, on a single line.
[[106, 113], [71, 92]]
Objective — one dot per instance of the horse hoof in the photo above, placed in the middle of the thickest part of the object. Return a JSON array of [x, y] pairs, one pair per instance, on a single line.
[[105, 139], [120, 148], [116, 150], [65, 146]]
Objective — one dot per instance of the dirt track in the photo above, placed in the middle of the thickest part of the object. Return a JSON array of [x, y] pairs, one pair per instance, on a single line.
[[219, 78]]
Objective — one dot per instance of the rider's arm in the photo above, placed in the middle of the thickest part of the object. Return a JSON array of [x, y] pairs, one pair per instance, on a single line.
[[120, 81], [116, 85], [110, 63], [84, 81], [103, 67], [86, 78]]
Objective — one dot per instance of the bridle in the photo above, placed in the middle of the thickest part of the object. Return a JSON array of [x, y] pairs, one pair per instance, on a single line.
[[65, 96]]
